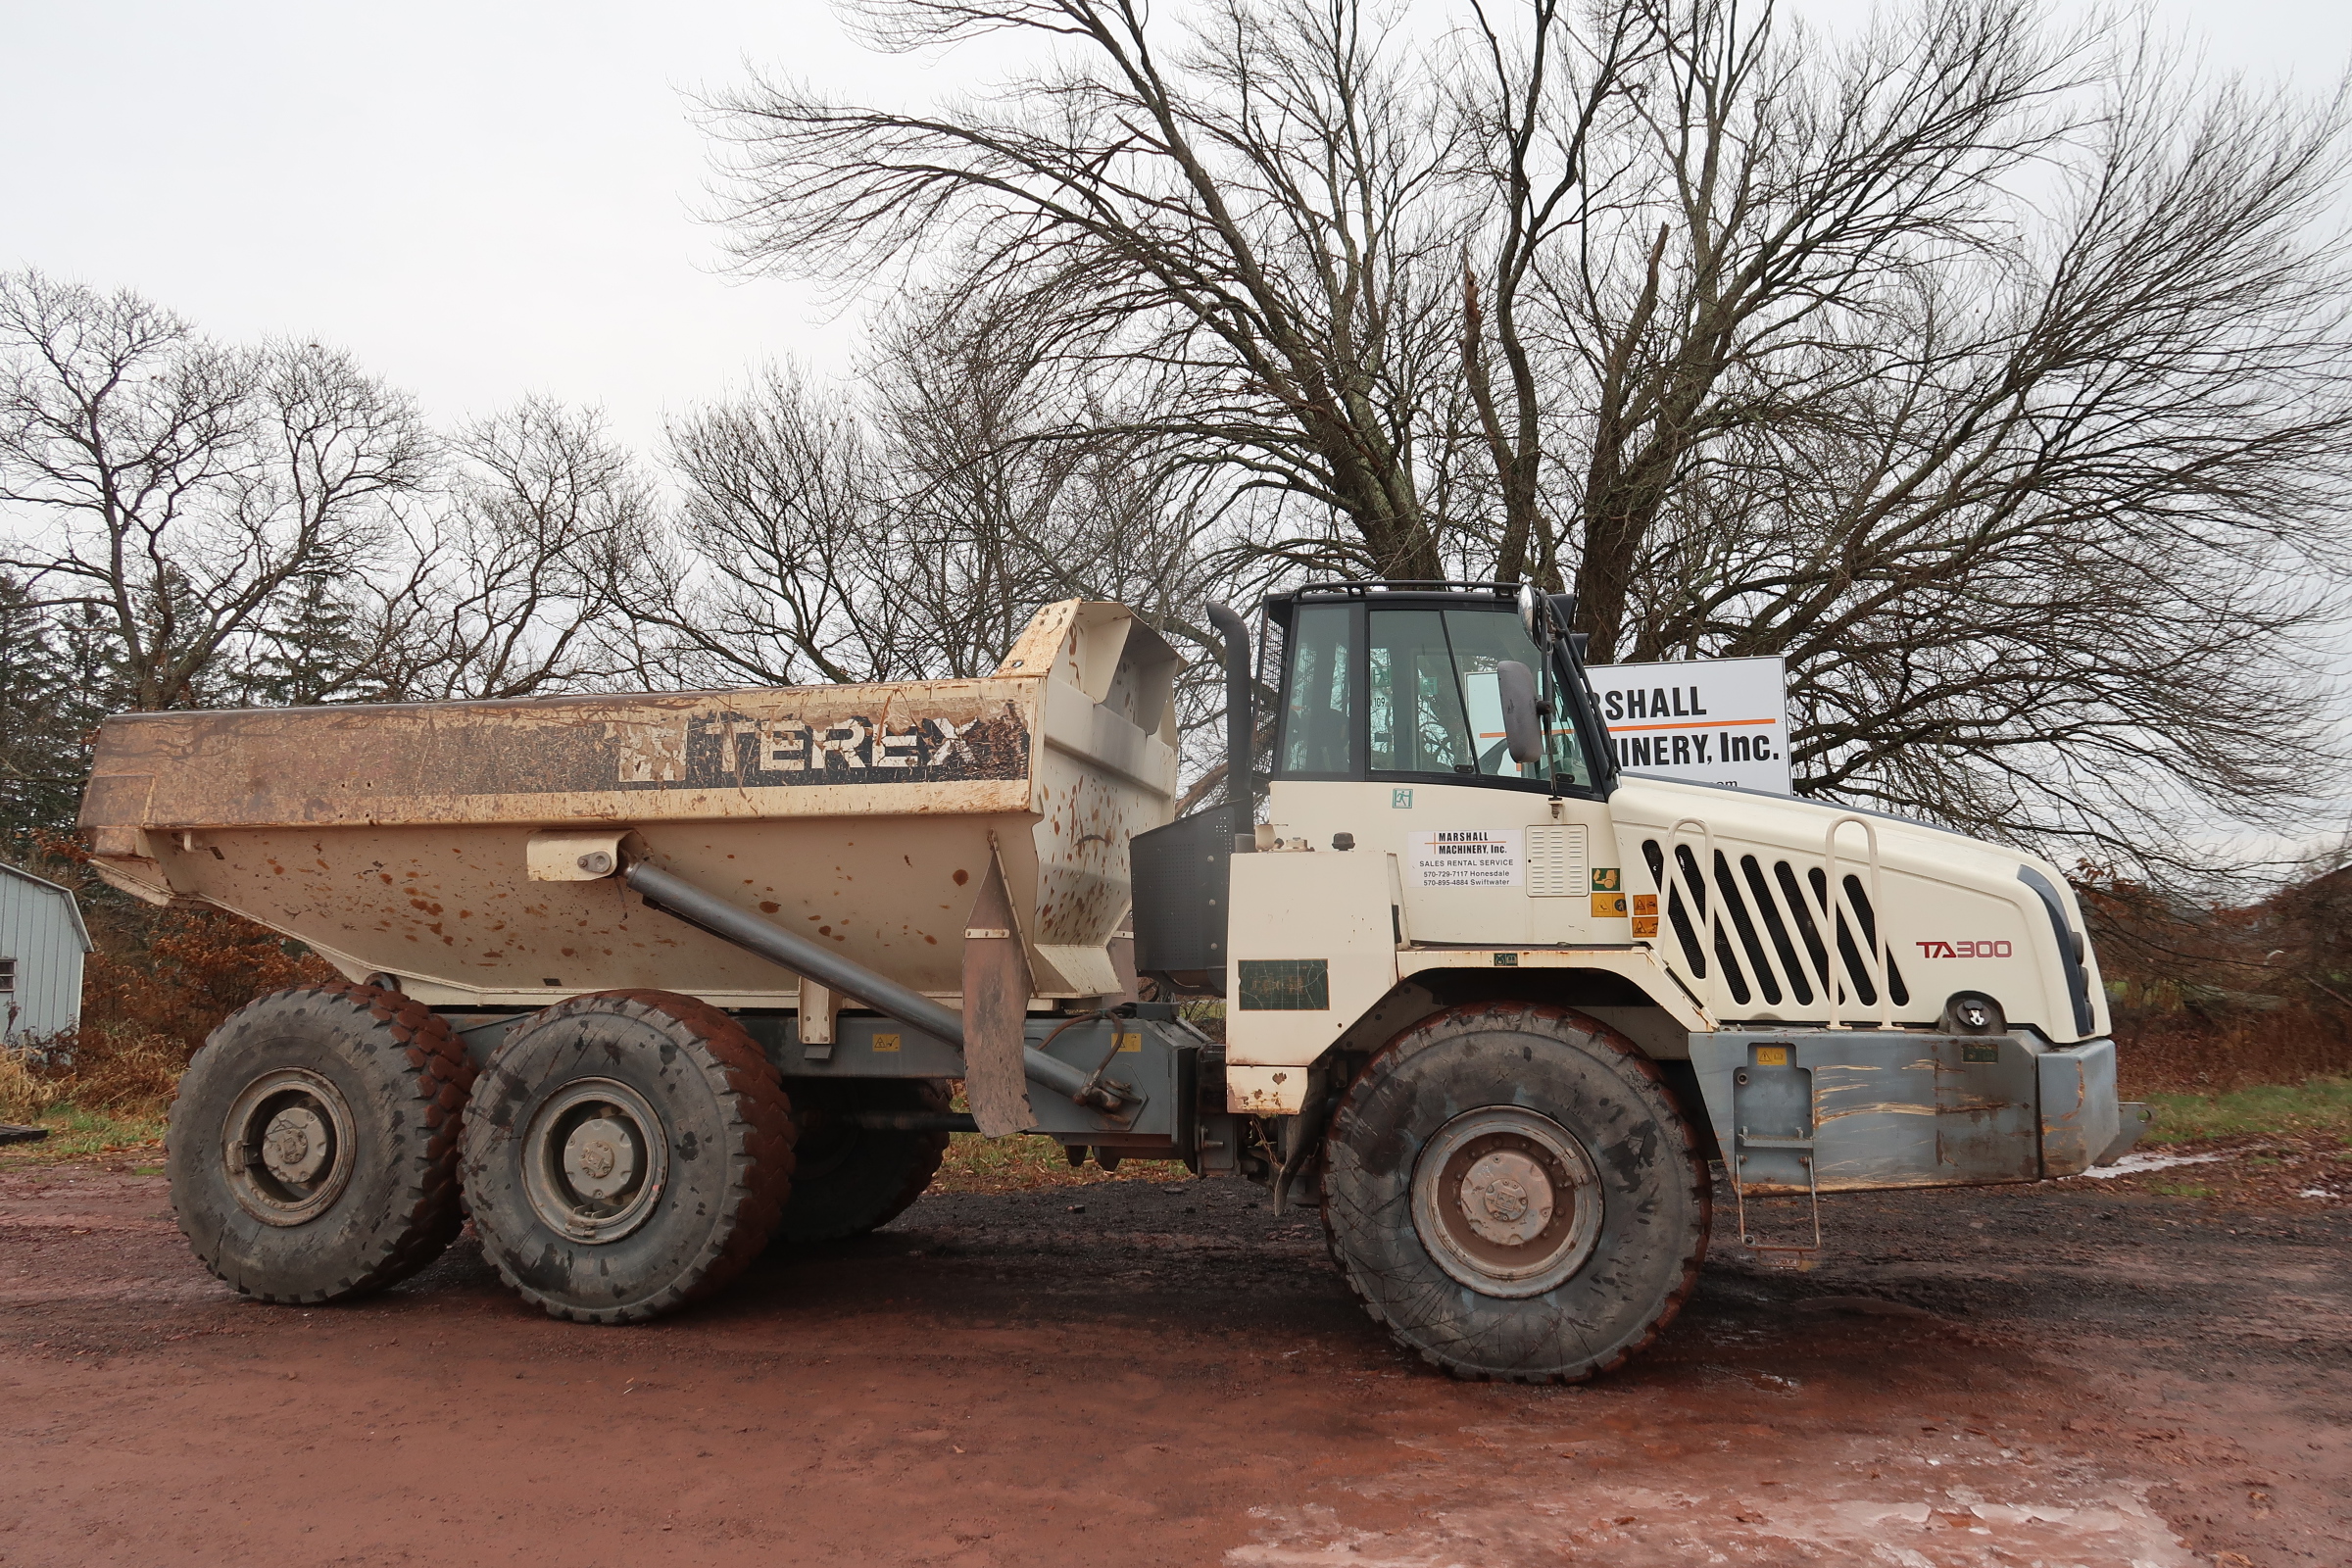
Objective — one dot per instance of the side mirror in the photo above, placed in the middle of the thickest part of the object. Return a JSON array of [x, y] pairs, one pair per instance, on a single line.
[[1522, 719], [1535, 617]]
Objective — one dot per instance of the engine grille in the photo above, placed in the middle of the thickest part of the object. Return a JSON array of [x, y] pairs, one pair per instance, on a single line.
[[1769, 936]]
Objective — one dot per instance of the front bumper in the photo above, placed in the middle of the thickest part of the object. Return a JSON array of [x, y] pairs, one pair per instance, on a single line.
[[1856, 1109], [2083, 1123]]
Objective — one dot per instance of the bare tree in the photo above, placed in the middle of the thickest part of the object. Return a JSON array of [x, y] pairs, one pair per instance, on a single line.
[[526, 576], [1763, 207], [1017, 488], [1998, 383], [1242, 212], [911, 528], [183, 490], [1537, 93], [783, 555], [1991, 371]]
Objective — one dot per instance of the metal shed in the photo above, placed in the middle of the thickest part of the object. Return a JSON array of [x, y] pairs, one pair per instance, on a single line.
[[42, 940]]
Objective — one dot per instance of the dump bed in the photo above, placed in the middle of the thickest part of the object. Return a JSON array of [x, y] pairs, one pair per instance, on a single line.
[[393, 837]]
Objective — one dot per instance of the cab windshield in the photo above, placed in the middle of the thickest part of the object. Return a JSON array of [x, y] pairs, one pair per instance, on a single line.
[[1425, 699]]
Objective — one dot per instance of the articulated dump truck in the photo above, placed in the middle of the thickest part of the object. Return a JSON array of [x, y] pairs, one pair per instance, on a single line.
[[647, 984]]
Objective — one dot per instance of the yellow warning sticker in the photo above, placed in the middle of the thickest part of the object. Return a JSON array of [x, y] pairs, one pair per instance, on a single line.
[[1646, 904], [1772, 1056], [1608, 905], [1131, 1042], [886, 1042], [1645, 925]]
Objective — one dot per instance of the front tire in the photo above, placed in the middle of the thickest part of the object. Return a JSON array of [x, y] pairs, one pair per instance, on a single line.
[[1511, 1191], [313, 1149], [627, 1153]]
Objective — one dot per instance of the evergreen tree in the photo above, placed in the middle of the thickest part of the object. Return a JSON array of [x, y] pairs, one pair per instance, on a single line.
[[310, 653], [58, 678]]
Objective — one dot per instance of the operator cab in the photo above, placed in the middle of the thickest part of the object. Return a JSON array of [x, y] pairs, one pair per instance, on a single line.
[[1443, 727], [1405, 683]]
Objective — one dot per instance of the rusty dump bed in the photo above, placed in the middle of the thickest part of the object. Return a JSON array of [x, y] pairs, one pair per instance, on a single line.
[[394, 838]]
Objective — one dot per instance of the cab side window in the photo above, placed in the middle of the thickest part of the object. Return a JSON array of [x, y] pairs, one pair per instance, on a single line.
[[1318, 709], [1419, 723]]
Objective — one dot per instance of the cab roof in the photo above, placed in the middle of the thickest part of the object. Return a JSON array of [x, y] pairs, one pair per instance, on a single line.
[[1459, 593]]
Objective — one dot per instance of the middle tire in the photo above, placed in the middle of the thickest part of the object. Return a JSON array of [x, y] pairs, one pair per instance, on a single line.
[[626, 1154], [849, 1180]]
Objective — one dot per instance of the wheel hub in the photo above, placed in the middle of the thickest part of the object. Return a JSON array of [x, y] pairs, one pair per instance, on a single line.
[[595, 1159], [1506, 1198], [601, 1156], [296, 1146], [1507, 1201], [288, 1145]]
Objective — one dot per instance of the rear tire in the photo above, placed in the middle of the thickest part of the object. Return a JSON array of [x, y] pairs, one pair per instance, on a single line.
[[1511, 1191], [627, 1153], [313, 1149], [848, 1180]]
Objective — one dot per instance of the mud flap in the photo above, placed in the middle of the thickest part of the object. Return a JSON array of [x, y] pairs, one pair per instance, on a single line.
[[996, 1011], [2136, 1117]]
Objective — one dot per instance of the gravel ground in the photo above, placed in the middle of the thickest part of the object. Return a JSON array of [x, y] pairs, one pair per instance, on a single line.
[[2090, 1373]]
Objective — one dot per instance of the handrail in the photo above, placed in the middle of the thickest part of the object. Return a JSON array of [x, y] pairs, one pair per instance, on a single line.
[[1710, 953], [1836, 901]]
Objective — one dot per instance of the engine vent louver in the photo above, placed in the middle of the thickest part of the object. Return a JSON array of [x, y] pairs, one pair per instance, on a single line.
[[1800, 984], [1777, 926], [1555, 861], [1734, 908], [1857, 958]]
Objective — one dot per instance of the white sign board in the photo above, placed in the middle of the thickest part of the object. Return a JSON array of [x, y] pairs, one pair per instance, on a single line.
[[1708, 720], [1467, 858]]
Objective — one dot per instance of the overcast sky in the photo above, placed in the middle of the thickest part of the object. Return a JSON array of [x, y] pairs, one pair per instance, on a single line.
[[494, 198]]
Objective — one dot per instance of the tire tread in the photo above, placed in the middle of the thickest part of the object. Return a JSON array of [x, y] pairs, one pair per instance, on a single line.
[[1649, 1082], [442, 1083], [760, 1175]]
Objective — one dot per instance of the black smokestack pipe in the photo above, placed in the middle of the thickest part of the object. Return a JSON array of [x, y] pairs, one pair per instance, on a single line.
[[1241, 716]]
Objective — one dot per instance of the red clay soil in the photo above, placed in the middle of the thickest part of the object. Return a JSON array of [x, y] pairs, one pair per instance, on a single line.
[[1171, 1373]]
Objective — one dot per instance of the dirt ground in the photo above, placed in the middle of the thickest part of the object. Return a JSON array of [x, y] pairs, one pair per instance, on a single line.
[[1148, 1373]]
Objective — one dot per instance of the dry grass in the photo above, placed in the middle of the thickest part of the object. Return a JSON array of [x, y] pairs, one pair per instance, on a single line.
[[112, 1098], [2192, 1057], [2207, 999], [132, 1074], [976, 1165], [25, 1095]]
